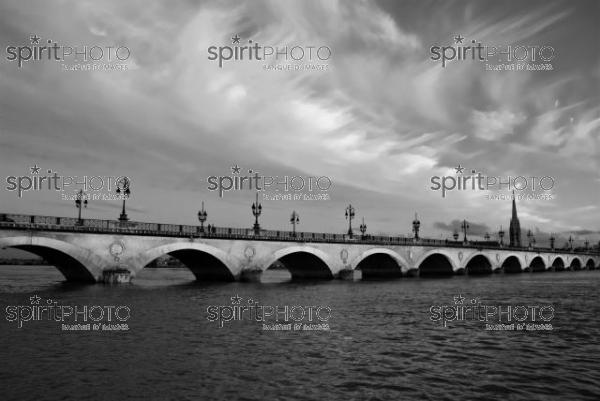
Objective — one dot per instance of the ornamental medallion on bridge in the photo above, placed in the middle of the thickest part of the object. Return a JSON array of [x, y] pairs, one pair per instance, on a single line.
[[344, 255], [116, 249], [249, 252], [460, 256], [497, 257]]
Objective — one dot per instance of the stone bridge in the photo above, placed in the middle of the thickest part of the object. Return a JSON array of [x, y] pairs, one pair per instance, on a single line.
[[85, 253]]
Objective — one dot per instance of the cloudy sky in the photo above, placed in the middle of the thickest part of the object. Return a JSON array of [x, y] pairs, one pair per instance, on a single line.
[[380, 121]]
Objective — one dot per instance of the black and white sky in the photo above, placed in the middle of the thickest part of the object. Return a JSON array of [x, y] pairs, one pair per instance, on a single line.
[[380, 121]]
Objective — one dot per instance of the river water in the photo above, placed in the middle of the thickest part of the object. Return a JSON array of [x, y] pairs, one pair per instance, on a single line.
[[383, 341]]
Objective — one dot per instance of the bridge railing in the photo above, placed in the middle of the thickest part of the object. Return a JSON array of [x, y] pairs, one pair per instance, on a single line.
[[69, 224]]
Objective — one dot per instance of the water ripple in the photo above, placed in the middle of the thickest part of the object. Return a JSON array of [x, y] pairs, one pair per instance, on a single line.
[[383, 344]]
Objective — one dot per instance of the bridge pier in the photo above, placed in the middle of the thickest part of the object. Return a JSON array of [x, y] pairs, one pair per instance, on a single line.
[[350, 274], [116, 276], [251, 275]]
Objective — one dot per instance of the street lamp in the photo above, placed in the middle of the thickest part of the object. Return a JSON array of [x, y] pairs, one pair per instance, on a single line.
[[416, 224], [465, 227], [294, 219], [363, 227], [501, 235], [202, 215], [571, 243], [531, 238], [587, 244], [349, 216], [123, 189], [80, 200], [552, 239], [256, 211]]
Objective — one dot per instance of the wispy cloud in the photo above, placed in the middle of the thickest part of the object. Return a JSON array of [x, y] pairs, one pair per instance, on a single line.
[[380, 122]]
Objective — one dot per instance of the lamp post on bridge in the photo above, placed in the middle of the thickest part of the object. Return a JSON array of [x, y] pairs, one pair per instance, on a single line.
[[416, 224], [256, 211], [465, 227], [363, 228], [202, 215], [123, 189], [570, 243], [80, 201], [501, 235], [587, 244], [350, 212], [552, 240], [531, 238], [294, 219]]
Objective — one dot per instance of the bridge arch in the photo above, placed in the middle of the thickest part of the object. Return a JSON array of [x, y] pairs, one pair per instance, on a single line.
[[380, 262], [590, 264], [205, 262], [558, 264], [436, 262], [512, 263], [303, 262], [75, 263], [478, 264], [537, 264], [576, 264]]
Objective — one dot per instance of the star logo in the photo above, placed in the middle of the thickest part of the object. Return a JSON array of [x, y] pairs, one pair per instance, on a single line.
[[235, 40], [458, 39], [235, 169], [35, 40], [458, 299], [236, 300], [459, 169], [35, 169], [35, 300]]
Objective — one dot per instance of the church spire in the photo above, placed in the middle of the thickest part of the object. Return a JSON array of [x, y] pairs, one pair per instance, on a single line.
[[515, 226]]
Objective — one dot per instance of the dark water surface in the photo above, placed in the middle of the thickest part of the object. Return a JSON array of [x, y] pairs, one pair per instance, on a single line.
[[382, 343]]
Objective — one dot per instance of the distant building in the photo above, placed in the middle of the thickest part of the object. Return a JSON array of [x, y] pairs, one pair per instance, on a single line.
[[515, 226]]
